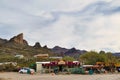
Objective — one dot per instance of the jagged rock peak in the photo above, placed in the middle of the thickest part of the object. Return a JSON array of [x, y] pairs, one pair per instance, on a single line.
[[45, 46], [73, 49], [37, 45], [19, 39], [56, 47]]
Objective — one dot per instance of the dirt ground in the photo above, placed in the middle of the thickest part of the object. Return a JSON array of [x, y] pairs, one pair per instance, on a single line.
[[17, 76]]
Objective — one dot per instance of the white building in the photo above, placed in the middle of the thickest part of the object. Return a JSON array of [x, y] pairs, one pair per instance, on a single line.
[[39, 67], [19, 56]]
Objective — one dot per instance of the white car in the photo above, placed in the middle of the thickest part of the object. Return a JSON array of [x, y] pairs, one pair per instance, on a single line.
[[26, 70]]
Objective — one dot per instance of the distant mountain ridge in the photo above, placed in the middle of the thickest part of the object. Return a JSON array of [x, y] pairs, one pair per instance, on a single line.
[[2, 41], [18, 45], [68, 52], [117, 54], [59, 50]]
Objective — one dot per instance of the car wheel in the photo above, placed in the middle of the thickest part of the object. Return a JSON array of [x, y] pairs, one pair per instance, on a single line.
[[21, 72]]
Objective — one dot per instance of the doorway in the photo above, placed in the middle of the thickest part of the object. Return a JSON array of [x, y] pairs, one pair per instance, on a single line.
[[60, 68]]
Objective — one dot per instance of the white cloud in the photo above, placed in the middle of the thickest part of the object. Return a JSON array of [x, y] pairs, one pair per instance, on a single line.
[[90, 25]]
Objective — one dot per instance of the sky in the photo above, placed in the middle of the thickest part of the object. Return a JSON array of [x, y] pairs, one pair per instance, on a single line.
[[83, 24]]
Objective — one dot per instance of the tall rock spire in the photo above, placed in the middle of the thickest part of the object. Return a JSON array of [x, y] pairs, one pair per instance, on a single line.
[[19, 39], [37, 45]]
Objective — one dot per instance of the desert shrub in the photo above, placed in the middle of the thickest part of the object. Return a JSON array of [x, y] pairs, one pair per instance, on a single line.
[[7, 67]]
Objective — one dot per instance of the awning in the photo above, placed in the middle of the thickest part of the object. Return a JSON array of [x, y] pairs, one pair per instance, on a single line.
[[61, 62]]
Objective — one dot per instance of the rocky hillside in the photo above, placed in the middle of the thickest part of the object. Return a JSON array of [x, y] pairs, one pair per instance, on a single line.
[[17, 45]]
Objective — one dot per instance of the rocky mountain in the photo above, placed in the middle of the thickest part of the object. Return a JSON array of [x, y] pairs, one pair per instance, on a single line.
[[68, 52], [74, 51], [18, 45], [18, 39], [59, 50], [37, 45], [116, 54]]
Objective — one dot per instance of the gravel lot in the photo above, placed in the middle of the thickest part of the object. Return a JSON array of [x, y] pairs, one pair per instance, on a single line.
[[17, 76]]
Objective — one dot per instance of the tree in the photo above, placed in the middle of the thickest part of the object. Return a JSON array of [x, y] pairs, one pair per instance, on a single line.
[[107, 58], [90, 57], [68, 58], [110, 58], [102, 52]]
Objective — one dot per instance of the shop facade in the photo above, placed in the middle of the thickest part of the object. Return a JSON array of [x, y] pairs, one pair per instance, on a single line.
[[56, 66]]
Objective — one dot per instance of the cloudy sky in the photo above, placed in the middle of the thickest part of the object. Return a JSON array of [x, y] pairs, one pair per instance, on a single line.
[[83, 24]]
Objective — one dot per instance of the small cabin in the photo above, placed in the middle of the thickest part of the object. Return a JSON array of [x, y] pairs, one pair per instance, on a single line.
[[41, 56]]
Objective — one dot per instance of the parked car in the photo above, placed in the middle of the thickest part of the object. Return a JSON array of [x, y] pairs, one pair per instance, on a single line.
[[26, 70]]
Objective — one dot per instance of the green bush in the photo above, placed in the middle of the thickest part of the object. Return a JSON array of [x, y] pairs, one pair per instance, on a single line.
[[77, 71]]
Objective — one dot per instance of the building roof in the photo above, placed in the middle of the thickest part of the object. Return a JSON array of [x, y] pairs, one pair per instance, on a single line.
[[41, 55], [42, 62], [61, 62]]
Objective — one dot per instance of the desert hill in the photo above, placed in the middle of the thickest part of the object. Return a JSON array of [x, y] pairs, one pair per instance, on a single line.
[[17, 45]]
